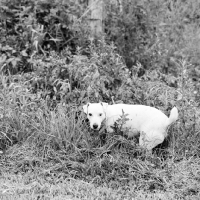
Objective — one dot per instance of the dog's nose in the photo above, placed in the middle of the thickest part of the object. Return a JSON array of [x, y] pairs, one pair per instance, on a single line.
[[95, 126]]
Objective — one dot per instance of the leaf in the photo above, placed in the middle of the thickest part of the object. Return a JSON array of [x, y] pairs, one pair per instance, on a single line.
[[96, 75], [23, 53]]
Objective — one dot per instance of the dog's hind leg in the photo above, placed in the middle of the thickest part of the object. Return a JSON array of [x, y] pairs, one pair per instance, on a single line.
[[149, 141]]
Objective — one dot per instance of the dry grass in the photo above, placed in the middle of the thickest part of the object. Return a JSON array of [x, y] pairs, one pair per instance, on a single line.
[[39, 184], [26, 175]]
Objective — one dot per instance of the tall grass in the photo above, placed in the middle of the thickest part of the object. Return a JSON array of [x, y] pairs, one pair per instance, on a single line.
[[57, 140]]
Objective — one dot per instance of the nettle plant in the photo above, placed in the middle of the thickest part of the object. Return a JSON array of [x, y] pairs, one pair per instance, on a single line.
[[77, 78], [102, 75]]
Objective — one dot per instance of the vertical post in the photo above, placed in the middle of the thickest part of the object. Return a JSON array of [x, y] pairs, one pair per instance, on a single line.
[[96, 19]]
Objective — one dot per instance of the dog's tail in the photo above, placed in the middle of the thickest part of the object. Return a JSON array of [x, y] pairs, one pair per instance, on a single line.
[[173, 115]]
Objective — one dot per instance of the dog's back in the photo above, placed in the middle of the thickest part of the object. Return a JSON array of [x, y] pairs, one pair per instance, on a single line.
[[136, 113], [142, 118]]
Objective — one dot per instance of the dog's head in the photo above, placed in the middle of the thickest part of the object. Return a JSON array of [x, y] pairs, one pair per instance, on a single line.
[[96, 113]]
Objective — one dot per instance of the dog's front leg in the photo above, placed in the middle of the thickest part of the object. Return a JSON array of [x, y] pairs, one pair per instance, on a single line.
[[109, 129]]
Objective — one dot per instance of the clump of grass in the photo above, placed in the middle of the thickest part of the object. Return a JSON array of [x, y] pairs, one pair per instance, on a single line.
[[17, 105]]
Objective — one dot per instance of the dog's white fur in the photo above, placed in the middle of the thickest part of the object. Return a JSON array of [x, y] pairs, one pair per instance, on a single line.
[[150, 122]]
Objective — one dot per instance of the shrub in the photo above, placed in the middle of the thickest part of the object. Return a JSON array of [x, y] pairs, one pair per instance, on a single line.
[[154, 33], [98, 77], [30, 27], [132, 31]]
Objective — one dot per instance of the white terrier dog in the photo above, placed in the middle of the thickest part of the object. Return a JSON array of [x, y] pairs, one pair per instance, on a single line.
[[150, 122]]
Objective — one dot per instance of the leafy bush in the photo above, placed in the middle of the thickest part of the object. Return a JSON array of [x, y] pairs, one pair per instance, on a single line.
[[99, 76], [132, 31], [155, 33], [30, 27]]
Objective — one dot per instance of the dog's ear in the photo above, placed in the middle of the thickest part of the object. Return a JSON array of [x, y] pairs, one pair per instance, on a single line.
[[105, 105], [85, 108]]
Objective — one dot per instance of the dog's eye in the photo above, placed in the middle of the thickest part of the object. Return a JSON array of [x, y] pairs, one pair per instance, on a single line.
[[100, 114], [90, 114]]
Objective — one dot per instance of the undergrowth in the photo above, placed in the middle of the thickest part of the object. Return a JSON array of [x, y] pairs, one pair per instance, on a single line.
[[49, 70], [38, 134]]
